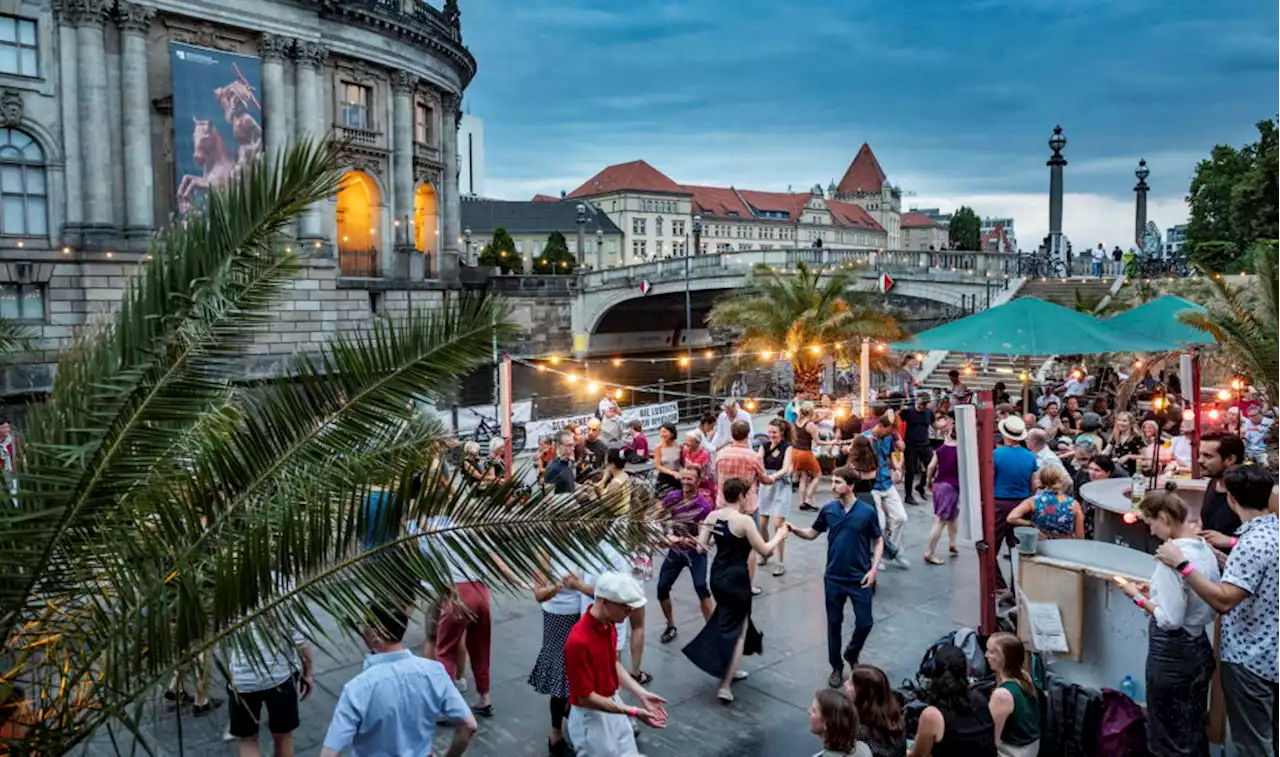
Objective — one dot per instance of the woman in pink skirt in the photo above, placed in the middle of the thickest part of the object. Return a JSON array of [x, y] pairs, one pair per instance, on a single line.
[[943, 476]]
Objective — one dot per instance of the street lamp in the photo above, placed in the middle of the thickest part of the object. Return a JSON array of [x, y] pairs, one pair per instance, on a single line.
[[657, 227], [466, 237], [1142, 173], [599, 248], [1057, 141]]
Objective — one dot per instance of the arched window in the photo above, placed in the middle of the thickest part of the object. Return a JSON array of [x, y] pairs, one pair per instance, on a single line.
[[425, 232], [24, 202], [358, 211]]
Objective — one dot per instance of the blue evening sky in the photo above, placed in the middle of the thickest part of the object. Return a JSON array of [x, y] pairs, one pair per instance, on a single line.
[[956, 97]]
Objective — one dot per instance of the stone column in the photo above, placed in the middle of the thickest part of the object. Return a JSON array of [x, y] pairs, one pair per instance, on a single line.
[[135, 23], [1140, 210], [1057, 247], [451, 209], [91, 70], [402, 86], [74, 213], [310, 56], [273, 50]]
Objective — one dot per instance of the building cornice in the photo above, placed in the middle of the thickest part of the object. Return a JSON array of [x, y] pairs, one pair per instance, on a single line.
[[424, 27]]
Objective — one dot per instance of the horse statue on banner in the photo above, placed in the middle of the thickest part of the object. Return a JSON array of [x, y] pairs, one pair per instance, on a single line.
[[219, 165]]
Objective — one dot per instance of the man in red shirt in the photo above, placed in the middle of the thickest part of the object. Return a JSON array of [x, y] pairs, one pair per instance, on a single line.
[[598, 722]]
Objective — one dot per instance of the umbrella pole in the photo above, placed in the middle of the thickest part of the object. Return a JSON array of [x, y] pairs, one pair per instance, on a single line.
[[1195, 408], [1026, 384]]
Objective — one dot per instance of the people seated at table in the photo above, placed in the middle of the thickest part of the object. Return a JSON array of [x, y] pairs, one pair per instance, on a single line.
[[1179, 656], [1051, 511]]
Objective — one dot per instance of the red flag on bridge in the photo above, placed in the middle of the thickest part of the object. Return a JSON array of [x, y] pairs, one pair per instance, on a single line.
[[645, 286], [886, 283]]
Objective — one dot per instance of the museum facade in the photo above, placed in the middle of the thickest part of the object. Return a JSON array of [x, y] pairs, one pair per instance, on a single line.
[[118, 117]]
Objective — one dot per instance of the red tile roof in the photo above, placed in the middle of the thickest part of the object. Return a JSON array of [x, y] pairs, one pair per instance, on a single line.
[[996, 240], [717, 202], [913, 220], [864, 174], [848, 214], [636, 175], [544, 198]]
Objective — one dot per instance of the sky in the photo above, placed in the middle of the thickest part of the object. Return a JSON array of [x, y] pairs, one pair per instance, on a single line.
[[956, 97]]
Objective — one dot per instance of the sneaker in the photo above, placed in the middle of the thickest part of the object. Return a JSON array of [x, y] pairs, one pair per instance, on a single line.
[[668, 635], [910, 501], [779, 570], [764, 560], [806, 507], [901, 562], [849, 658], [725, 696], [461, 685], [200, 710], [836, 679], [740, 675]]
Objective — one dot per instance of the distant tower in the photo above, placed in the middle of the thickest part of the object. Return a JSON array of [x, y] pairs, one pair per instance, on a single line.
[[831, 190], [1057, 247], [1140, 214]]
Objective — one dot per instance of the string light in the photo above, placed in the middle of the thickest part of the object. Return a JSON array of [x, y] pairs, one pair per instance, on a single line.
[[554, 359], [571, 378], [1213, 414], [617, 393], [1237, 384], [617, 361], [764, 356], [1224, 394], [1188, 415], [684, 362], [592, 387], [710, 354], [816, 349]]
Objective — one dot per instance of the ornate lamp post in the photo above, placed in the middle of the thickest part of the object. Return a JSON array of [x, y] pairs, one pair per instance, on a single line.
[[466, 237], [599, 249], [1056, 163], [1140, 212], [582, 234]]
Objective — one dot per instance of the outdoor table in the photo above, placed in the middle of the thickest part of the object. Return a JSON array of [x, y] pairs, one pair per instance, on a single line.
[[1106, 632], [1110, 500]]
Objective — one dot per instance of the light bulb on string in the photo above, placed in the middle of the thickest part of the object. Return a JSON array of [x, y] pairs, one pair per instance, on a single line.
[[684, 362], [554, 359], [816, 349], [1224, 394], [617, 393], [710, 354], [592, 387], [1214, 414], [766, 355], [571, 378], [1237, 384], [617, 361], [1188, 415]]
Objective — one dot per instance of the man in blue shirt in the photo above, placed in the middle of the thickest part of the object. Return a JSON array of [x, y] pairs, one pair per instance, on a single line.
[[391, 707], [854, 548], [885, 441], [1016, 479]]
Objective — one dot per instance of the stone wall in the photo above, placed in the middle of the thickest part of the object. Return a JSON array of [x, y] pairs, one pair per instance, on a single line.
[[320, 305]]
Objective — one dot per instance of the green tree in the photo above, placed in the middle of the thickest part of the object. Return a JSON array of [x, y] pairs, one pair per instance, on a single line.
[[791, 314], [165, 510], [555, 257], [1232, 198], [1245, 320], [965, 232], [501, 252]]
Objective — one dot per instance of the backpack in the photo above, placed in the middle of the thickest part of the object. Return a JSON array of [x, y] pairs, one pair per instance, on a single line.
[[1070, 717], [1123, 730]]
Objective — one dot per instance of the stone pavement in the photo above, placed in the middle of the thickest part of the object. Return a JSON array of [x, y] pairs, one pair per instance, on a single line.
[[912, 608]]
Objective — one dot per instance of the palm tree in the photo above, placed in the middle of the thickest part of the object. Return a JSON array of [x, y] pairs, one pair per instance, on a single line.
[[1246, 322], [799, 317], [164, 511]]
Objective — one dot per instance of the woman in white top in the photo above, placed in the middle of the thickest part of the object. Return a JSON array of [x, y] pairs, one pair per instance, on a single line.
[[1179, 655]]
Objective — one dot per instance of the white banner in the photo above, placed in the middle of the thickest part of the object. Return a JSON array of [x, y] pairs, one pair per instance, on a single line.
[[652, 416]]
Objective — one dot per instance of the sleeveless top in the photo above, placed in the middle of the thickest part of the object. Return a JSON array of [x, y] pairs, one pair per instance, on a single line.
[[730, 549], [1023, 725], [670, 456], [948, 465], [804, 439], [967, 734], [1052, 516], [773, 456]]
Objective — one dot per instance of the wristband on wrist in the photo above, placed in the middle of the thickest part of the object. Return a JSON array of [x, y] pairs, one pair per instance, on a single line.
[[1139, 600], [1186, 569], [1234, 541], [631, 713]]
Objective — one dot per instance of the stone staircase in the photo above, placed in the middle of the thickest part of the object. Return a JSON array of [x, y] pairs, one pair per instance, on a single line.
[[1063, 291]]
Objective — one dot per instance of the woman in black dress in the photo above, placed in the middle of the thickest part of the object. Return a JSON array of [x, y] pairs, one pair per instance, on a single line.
[[729, 633]]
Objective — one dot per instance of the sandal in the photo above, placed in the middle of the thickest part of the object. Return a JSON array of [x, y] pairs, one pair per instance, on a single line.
[[483, 710], [934, 560], [642, 677], [756, 591], [953, 550]]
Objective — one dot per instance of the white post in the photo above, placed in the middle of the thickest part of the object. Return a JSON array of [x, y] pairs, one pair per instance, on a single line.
[[1185, 374], [864, 377], [504, 416], [970, 521]]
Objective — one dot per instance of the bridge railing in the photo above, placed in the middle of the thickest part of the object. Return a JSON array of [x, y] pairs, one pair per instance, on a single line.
[[888, 261]]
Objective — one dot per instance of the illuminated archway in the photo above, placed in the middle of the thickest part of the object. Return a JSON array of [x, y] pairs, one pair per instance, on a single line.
[[425, 219], [358, 213]]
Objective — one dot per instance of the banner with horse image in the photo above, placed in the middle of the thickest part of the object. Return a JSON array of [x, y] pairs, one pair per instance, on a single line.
[[217, 119]]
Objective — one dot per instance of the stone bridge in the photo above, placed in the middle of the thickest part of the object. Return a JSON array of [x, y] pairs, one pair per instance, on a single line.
[[613, 298]]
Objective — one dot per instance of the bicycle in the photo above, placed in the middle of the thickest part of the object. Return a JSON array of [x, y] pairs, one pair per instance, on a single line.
[[489, 428], [1153, 267], [1041, 266]]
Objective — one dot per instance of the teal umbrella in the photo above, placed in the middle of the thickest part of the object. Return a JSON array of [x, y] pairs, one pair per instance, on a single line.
[[1028, 326], [1159, 319]]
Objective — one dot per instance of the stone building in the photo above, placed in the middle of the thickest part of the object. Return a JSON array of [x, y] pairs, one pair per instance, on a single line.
[[115, 116], [656, 214], [531, 223], [921, 233]]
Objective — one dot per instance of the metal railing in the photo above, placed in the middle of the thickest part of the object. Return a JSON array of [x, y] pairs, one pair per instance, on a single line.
[[1084, 265], [358, 263], [534, 285], [737, 263]]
